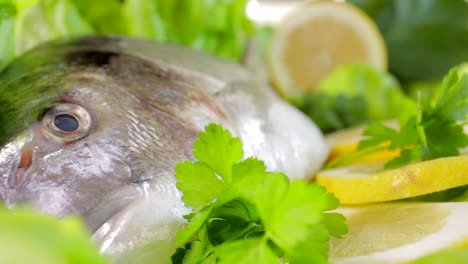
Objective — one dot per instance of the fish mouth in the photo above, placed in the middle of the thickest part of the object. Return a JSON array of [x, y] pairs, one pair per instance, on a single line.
[[17, 176], [15, 160], [137, 217], [110, 206]]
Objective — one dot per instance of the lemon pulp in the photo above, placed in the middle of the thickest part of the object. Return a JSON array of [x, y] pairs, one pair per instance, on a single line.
[[318, 37]]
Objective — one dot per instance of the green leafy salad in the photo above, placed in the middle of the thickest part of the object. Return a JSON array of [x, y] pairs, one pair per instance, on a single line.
[[217, 27]]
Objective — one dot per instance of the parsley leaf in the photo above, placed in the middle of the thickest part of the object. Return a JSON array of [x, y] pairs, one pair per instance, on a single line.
[[289, 213], [217, 148], [435, 130], [197, 222], [195, 178], [452, 101], [248, 251], [310, 250], [244, 214]]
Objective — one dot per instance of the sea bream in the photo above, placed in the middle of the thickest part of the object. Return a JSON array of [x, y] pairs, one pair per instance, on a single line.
[[95, 127]]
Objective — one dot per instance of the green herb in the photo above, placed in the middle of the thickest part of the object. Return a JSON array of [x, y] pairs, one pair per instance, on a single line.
[[28, 237], [7, 45], [424, 38], [244, 214], [423, 90], [352, 95], [104, 16], [39, 21], [217, 27], [435, 130], [331, 113]]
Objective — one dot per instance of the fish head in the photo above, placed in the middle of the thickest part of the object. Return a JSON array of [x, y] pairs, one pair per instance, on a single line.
[[98, 133]]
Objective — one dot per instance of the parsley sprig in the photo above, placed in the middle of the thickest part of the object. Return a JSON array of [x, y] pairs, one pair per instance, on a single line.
[[435, 130], [244, 214]]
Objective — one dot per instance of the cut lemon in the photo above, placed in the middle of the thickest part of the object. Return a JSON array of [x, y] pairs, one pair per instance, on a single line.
[[316, 38], [369, 182], [399, 232], [347, 140]]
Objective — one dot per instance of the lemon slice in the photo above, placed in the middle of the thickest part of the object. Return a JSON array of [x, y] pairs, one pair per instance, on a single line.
[[399, 232], [347, 140], [316, 38], [369, 182]]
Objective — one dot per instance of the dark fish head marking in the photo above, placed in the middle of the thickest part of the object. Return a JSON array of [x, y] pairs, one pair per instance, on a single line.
[[90, 58]]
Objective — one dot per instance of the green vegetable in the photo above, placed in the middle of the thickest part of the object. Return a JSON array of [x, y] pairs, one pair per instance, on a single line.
[[244, 214], [217, 27], [37, 90], [434, 131], [28, 237], [352, 95], [425, 38], [423, 90], [7, 45], [452, 256], [331, 113], [44, 20], [104, 16]]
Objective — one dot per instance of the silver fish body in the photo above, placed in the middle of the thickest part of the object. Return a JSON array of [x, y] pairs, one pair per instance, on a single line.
[[139, 107]]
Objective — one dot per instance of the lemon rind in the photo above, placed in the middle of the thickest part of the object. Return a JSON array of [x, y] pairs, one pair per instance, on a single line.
[[408, 181]]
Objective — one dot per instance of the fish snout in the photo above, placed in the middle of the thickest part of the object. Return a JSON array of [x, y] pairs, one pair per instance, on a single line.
[[67, 181], [136, 215]]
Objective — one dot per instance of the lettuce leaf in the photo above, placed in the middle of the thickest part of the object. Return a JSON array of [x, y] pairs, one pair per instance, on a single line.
[[29, 237], [355, 94], [7, 45], [220, 28]]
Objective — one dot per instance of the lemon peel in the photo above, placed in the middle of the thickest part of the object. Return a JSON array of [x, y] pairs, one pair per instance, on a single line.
[[369, 182]]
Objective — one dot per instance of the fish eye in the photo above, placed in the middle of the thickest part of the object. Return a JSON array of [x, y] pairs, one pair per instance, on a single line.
[[66, 122]]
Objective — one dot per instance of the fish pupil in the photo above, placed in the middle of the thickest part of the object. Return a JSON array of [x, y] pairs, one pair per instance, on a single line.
[[66, 123]]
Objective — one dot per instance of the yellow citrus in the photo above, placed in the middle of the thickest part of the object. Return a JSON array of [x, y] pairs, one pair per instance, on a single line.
[[316, 38], [399, 232], [369, 182], [346, 141]]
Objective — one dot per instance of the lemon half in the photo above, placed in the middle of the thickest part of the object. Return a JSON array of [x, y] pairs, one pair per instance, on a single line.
[[399, 232], [316, 38]]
